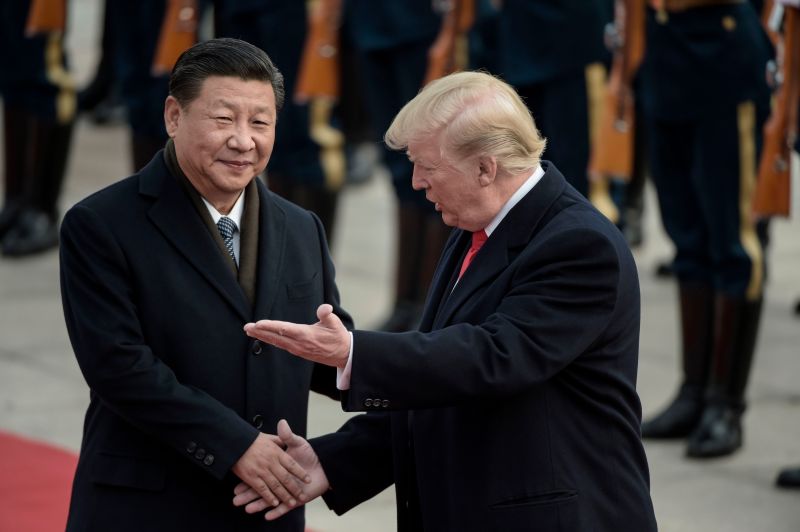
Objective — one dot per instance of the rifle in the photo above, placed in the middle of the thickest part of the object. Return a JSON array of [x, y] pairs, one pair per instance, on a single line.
[[178, 34], [318, 86], [45, 16], [612, 151], [780, 132], [318, 75], [450, 51]]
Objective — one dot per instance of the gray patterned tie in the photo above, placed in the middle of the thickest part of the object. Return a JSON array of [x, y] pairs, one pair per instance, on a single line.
[[227, 228]]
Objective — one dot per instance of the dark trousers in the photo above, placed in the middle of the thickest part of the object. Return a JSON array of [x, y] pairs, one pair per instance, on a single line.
[[704, 171]]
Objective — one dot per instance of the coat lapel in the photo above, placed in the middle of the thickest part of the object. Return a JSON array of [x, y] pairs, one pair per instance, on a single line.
[[180, 223], [271, 247], [506, 242], [451, 258]]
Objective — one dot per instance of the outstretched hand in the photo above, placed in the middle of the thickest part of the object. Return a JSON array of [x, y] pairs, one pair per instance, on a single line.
[[326, 341], [300, 450]]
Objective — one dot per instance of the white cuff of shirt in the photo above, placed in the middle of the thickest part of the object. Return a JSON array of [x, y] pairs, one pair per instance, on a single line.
[[343, 374]]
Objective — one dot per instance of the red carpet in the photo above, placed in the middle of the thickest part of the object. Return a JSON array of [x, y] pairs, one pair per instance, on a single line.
[[35, 483]]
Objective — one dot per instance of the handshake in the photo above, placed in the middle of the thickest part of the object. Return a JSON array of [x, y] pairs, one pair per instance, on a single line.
[[278, 473], [282, 472]]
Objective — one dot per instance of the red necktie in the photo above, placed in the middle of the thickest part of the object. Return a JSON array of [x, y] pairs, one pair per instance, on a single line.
[[478, 238]]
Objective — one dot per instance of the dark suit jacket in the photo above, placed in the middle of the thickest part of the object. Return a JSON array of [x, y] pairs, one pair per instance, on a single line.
[[155, 317], [516, 404]]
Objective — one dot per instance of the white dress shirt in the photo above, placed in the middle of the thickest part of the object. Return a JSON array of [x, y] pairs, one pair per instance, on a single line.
[[235, 215]]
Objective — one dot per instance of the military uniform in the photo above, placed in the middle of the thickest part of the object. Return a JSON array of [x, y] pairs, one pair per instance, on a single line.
[[39, 109], [706, 100], [391, 39], [552, 53]]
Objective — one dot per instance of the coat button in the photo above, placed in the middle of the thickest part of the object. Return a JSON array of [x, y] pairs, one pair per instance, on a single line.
[[200, 453], [258, 421], [191, 447], [257, 347], [209, 459], [367, 402], [385, 403]]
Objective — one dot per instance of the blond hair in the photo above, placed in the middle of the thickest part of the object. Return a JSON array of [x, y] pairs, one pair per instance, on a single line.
[[478, 114]]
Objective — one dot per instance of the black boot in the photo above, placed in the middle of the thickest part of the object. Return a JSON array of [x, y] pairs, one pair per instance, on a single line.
[[34, 232], [36, 228], [17, 125], [720, 430], [681, 416], [789, 478]]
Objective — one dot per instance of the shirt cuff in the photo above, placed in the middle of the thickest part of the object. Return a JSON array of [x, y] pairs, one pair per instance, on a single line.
[[343, 374]]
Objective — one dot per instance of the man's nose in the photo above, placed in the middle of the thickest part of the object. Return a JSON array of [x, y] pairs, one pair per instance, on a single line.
[[241, 139], [416, 181]]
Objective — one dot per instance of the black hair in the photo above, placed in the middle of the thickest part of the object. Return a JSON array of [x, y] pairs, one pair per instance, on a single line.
[[222, 57]]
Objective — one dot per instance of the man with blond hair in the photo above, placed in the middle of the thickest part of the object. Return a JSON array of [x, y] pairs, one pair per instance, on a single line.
[[514, 406]]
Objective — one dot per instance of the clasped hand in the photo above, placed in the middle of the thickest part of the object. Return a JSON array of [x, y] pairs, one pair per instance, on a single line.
[[303, 481], [326, 341]]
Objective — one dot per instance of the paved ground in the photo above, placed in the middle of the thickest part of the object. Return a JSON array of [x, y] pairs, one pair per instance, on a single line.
[[42, 393]]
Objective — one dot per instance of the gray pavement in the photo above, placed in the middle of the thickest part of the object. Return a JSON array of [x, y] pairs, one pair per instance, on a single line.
[[43, 395]]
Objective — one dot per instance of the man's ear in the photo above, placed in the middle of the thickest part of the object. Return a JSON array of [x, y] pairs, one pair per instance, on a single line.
[[487, 170], [172, 115]]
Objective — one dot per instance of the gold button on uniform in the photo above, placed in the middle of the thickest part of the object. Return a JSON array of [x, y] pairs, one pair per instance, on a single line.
[[729, 23]]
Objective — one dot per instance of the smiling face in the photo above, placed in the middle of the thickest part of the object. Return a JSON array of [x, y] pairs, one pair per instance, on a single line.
[[224, 137], [462, 192]]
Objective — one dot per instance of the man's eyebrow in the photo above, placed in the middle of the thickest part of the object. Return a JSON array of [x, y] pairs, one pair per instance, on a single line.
[[230, 105]]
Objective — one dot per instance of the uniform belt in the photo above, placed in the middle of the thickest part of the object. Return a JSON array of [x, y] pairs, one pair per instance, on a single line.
[[673, 6]]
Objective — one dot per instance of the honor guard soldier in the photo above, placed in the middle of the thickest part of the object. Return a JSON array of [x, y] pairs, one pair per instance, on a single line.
[[38, 109], [706, 100]]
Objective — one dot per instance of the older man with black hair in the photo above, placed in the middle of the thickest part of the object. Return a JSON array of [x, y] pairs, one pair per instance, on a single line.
[[159, 272]]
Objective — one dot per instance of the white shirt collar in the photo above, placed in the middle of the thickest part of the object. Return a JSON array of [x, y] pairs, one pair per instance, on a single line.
[[515, 198], [235, 214]]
